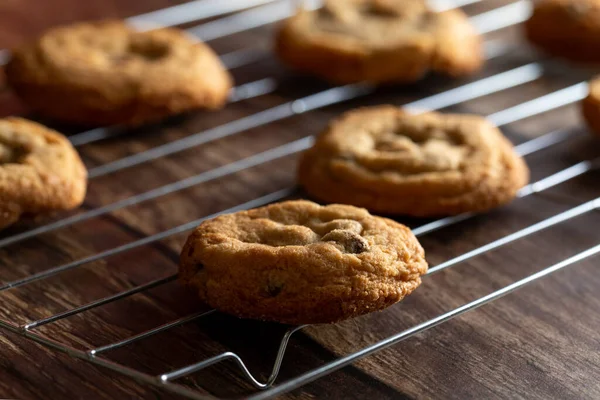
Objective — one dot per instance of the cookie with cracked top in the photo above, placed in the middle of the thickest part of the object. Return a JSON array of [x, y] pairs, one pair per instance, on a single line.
[[40, 171], [389, 161], [105, 72], [297, 262], [566, 28], [379, 41]]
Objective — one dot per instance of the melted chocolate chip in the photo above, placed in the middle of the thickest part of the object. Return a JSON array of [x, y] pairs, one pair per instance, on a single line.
[[12, 154], [350, 241], [150, 51], [273, 289]]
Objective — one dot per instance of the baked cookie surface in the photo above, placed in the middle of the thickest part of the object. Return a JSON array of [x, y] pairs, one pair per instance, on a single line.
[[432, 164], [40, 172], [106, 73], [566, 28], [591, 106], [297, 262], [379, 41]]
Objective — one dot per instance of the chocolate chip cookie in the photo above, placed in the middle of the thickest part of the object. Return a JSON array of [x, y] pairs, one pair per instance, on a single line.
[[566, 28], [591, 106], [297, 262], [432, 164], [106, 73], [40, 171], [379, 41]]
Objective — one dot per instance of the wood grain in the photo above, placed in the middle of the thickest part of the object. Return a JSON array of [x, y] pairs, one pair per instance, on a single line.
[[540, 342]]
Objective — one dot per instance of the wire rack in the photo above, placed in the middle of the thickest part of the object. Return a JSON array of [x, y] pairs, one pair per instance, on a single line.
[[238, 16]]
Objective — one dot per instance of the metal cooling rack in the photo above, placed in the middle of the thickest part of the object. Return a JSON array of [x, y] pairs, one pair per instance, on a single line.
[[247, 14]]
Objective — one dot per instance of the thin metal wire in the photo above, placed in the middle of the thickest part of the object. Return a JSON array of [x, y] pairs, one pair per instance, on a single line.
[[242, 92], [216, 173], [283, 111], [225, 170], [264, 86], [241, 57], [328, 368], [234, 59], [229, 355], [546, 183], [349, 359], [247, 20], [536, 187], [269, 155], [275, 196], [177, 15], [192, 11], [543, 184], [535, 228], [550, 181], [543, 142], [151, 332], [529, 72], [100, 302], [502, 17], [140, 376], [231, 60], [560, 177], [483, 87], [391, 340], [277, 113], [559, 218], [559, 98], [445, 5]]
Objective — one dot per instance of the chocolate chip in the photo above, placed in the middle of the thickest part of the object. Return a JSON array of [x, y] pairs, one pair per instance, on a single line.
[[273, 289], [357, 246], [199, 267], [190, 251], [350, 241], [150, 51], [12, 154]]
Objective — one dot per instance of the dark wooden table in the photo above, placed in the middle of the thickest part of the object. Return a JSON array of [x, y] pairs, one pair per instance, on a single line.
[[539, 342]]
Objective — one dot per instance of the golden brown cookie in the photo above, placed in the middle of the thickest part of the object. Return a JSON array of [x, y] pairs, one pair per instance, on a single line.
[[297, 262], [379, 41], [389, 161], [107, 73], [566, 28], [591, 106], [40, 171]]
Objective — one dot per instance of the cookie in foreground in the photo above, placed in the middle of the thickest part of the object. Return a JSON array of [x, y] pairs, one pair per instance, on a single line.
[[297, 262], [379, 41], [104, 73], [566, 28], [591, 106], [40, 172], [389, 161]]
